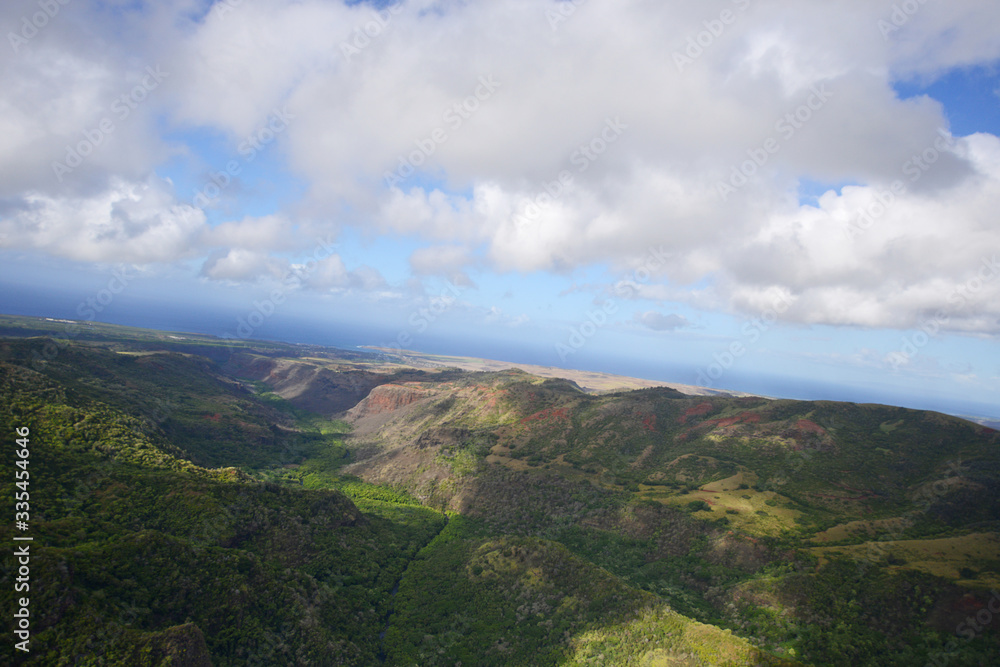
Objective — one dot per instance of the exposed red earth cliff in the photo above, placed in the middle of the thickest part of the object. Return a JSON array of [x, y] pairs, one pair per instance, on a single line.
[[388, 398]]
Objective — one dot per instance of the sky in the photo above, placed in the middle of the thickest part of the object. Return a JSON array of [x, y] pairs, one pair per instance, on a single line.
[[792, 198]]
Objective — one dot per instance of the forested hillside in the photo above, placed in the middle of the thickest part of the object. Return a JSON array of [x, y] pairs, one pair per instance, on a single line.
[[196, 501]]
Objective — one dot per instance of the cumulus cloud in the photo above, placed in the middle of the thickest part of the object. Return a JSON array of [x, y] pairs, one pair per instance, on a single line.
[[395, 127], [869, 257], [685, 133], [661, 322], [76, 110], [133, 222], [241, 265], [271, 232], [437, 260], [331, 274], [496, 316]]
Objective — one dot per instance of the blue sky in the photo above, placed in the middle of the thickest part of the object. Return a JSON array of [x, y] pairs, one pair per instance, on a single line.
[[797, 202]]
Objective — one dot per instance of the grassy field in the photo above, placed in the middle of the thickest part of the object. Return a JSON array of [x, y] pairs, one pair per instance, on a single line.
[[755, 512], [858, 530], [970, 560]]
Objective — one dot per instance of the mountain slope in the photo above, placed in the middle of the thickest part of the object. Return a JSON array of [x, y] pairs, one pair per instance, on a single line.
[[138, 553], [713, 502], [271, 504]]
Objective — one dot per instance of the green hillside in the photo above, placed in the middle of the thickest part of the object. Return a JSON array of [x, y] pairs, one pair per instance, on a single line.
[[197, 501]]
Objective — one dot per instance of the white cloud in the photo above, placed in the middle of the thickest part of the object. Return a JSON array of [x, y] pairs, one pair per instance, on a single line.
[[331, 273], [130, 222], [241, 265], [438, 260], [84, 105], [656, 184], [272, 232], [495, 316], [907, 265], [661, 322]]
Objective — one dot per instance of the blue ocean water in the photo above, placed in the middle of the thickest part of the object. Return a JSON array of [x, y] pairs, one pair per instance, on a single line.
[[222, 321]]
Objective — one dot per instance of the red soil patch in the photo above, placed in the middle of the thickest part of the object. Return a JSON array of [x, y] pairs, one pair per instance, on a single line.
[[968, 603], [809, 427], [491, 396], [648, 422], [696, 411], [743, 418]]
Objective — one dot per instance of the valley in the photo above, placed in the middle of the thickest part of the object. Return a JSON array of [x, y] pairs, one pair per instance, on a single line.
[[207, 501]]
